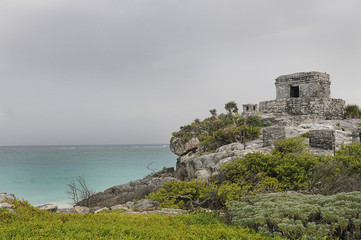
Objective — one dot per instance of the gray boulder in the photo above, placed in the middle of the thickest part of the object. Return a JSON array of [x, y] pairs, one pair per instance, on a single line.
[[81, 209], [6, 197], [205, 166], [180, 147], [100, 210], [66, 210], [6, 206], [146, 205], [49, 207]]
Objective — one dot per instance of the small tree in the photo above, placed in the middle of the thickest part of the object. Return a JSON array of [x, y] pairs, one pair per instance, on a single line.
[[353, 111], [213, 112], [231, 107], [78, 190]]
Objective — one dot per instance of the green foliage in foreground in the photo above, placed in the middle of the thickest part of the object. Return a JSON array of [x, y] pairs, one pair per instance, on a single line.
[[32, 223], [296, 215]]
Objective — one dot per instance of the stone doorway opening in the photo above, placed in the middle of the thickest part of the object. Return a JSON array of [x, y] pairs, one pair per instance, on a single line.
[[295, 91]]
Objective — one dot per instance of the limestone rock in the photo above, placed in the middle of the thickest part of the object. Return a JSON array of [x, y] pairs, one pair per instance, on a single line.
[[81, 209], [137, 190], [146, 205], [6, 197], [66, 210], [179, 147], [101, 209], [205, 166], [130, 205], [120, 206], [49, 207], [6, 205]]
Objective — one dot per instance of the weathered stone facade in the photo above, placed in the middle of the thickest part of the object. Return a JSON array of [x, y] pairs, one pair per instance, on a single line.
[[250, 109], [303, 85], [271, 134], [324, 139], [329, 108], [305, 93]]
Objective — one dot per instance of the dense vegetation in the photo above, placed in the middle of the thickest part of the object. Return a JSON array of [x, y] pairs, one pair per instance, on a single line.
[[296, 215], [30, 223], [222, 129], [353, 111]]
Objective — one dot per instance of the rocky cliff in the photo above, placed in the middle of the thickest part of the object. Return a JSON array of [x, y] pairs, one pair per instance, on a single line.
[[194, 165]]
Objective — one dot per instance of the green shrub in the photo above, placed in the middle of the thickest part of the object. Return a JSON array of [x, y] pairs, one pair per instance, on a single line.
[[305, 135], [350, 156], [256, 121], [295, 145], [289, 170], [330, 177], [353, 111], [181, 194], [296, 215]]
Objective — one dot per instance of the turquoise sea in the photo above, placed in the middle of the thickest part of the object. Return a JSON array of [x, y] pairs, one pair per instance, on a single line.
[[40, 174]]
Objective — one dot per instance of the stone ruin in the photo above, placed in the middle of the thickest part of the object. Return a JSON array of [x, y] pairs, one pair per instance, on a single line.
[[323, 138], [271, 134], [250, 109], [304, 94], [303, 97]]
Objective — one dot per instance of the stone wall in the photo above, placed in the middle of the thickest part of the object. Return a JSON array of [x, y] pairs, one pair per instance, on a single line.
[[250, 109], [271, 134], [329, 108], [307, 84], [324, 139]]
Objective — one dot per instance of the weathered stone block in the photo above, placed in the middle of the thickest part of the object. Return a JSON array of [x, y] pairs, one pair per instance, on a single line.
[[303, 85], [324, 139], [271, 134], [356, 135], [250, 109]]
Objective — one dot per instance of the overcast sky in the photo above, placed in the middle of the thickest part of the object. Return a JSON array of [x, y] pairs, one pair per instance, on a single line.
[[134, 71]]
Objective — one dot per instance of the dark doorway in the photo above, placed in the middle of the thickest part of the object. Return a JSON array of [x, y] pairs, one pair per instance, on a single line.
[[360, 136], [295, 91]]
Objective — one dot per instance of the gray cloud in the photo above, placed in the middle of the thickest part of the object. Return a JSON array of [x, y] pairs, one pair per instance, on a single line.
[[96, 72]]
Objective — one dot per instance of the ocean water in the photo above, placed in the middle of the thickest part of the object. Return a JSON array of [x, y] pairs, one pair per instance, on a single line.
[[40, 174]]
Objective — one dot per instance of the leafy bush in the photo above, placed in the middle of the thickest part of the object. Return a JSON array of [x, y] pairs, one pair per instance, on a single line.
[[353, 111], [296, 215], [287, 171], [331, 177], [350, 156], [295, 145], [183, 194]]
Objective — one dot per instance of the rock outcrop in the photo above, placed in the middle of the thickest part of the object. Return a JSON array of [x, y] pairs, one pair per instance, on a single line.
[[127, 192], [181, 147], [196, 166], [204, 166], [6, 197], [49, 207]]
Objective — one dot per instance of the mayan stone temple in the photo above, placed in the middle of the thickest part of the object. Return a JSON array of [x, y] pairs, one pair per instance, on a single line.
[[304, 94]]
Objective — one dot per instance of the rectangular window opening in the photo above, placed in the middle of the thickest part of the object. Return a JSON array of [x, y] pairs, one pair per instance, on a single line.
[[295, 91]]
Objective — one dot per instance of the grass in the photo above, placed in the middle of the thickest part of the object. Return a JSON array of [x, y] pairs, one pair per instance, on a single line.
[[27, 222]]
